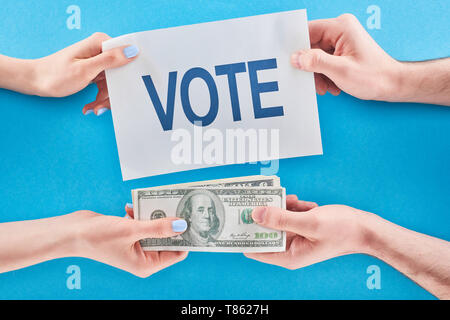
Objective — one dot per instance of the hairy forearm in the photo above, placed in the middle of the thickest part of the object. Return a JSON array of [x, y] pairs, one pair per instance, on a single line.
[[18, 75], [29, 242], [423, 82], [424, 259]]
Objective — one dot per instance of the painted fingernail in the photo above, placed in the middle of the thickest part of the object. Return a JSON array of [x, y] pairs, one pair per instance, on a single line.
[[259, 214], [129, 205], [101, 111], [179, 225], [88, 112], [130, 51]]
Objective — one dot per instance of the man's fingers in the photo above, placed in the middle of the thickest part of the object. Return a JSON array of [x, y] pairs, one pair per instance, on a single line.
[[321, 84], [324, 84], [159, 228], [324, 33], [282, 259], [109, 59], [317, 60], [332, 87], [302, 206], [293, 204], [279, 219], [291, 197]]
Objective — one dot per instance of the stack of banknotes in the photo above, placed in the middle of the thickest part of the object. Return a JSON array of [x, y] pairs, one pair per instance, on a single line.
[[218, 214]]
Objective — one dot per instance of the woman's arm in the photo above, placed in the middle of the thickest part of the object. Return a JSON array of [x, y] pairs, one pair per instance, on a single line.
[[29, 242], [67, 71], [18, 75], [108, 239]]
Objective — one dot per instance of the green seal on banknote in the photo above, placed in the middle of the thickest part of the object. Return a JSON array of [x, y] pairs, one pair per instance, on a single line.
[[246, 216]]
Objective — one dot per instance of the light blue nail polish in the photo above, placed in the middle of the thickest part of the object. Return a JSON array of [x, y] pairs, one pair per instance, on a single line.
[[130, 51], [179, 225], [88, 112], [101, 111], [129, 205]]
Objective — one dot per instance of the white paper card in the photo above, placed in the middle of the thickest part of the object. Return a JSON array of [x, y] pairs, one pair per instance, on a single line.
[[230, 75]]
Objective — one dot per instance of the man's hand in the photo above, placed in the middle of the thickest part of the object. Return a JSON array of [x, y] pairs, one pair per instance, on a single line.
[[343, 56], [316, 234], [313, 234]]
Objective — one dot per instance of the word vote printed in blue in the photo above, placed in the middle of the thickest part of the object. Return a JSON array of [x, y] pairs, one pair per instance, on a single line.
[[230, 70]]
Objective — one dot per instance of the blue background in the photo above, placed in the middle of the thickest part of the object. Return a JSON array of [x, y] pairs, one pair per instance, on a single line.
[[391, 159]]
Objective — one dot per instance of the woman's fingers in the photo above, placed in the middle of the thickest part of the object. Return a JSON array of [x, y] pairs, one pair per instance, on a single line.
[[110, 59], [100, 77], [90, 46], [299, 252], [98, 107], [157, 260], [101, 103], [168, 258], [159, 228], [102, 107], [129, 211], [282, 259]]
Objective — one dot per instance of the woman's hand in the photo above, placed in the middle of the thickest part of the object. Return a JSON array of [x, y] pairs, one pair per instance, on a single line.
[[67, 71], [73, 68], [108, 239], [115, 241]]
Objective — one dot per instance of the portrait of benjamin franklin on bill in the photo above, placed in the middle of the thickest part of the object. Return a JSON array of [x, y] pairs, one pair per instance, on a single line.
[[204, 214]]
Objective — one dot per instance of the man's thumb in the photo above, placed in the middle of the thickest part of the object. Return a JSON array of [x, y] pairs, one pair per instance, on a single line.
[[317, 60]]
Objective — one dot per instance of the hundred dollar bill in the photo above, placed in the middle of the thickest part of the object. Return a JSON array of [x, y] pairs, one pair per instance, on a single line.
[[219, 219], [245, 181]]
